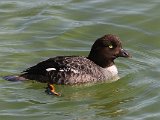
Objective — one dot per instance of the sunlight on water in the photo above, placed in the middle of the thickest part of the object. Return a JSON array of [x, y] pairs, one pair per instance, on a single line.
[[34, 30]]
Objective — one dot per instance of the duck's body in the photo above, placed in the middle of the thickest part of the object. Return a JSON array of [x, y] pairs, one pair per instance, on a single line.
[[69, 70], [98, 66]]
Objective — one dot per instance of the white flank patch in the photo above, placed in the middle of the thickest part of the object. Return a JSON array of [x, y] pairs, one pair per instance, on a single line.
[[75, 71], [50, 69], [61, 70], [113, 69]]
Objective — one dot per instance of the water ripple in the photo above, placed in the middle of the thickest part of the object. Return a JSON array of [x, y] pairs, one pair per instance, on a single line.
[[33, 30]]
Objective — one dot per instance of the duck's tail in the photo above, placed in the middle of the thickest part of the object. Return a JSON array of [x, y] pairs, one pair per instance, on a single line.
[[14, 78]]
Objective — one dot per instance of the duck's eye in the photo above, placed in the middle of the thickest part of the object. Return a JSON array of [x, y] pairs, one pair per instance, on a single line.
[[110, 46]]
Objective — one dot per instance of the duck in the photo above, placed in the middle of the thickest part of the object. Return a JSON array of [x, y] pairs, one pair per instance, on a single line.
[[98, 66]]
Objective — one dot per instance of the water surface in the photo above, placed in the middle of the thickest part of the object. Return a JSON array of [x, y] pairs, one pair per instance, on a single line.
[[34, 30]]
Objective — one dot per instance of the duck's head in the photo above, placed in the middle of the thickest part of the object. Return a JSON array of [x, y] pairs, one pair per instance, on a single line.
[[106, 49]]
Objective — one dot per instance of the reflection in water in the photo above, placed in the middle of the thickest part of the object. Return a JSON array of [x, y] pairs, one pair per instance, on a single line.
[[113, 108], [107, 99]]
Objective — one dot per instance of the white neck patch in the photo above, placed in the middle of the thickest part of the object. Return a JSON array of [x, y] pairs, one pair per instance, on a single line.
[[110, 73], [113, 69]]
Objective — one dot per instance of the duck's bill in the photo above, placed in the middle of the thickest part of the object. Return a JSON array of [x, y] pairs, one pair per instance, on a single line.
[[124, 53]]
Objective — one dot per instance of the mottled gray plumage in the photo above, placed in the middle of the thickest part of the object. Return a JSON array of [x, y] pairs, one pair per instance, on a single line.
[[98, 66], [68, 70]]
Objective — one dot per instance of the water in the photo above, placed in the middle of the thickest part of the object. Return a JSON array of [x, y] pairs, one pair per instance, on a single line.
[[34, 30]]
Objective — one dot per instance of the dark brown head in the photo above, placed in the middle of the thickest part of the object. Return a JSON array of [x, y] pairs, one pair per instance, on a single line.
[[106, 49]]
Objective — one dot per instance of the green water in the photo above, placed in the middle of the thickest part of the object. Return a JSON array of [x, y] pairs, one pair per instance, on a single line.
[[34, 30]]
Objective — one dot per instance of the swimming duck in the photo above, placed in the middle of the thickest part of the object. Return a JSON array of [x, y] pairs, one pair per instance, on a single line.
[[99, 66]]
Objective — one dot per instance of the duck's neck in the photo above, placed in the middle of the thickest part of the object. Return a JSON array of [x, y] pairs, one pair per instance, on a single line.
[[100, 60], [110, 73], [113, 69]]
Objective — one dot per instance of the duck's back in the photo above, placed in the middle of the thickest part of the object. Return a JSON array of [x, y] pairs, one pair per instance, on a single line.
[[65, 70]]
